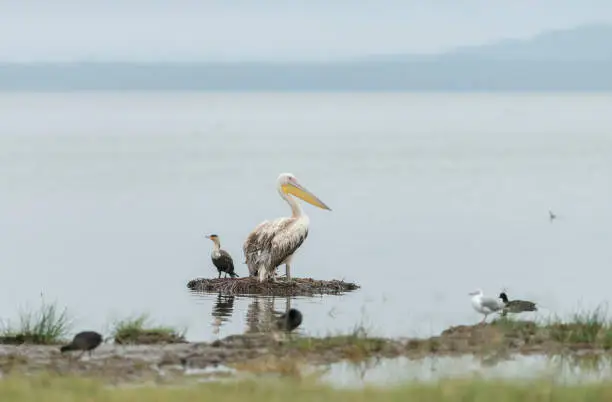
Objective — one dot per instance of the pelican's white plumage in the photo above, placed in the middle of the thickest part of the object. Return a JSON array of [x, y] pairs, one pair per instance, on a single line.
[[485, 305], [273, 243]]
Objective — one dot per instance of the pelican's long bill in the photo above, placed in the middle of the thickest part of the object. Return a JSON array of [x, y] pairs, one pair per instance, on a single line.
[[300, 192]]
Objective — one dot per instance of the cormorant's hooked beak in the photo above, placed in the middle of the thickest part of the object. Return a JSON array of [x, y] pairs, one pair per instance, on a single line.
[[299, 191], [211, 237]]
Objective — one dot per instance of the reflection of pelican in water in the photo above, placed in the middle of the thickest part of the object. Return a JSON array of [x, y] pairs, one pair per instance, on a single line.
[[273, 243], [260, 316]]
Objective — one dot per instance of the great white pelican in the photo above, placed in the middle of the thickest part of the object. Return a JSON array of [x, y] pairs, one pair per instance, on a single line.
[[273, 243]]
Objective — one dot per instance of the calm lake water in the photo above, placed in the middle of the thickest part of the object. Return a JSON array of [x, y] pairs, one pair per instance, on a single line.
[[389, 372], [106, 198]]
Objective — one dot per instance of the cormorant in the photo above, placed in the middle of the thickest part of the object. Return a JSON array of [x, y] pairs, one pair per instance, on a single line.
[[221, 258]]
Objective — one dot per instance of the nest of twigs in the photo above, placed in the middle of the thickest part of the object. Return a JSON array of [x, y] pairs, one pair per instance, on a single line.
[[280, 287]]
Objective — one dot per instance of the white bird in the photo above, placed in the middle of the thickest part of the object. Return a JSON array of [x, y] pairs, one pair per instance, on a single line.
[[485, 305], [273, 243]]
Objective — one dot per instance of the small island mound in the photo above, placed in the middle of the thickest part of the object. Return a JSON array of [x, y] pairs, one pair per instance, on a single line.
[[251, 285]]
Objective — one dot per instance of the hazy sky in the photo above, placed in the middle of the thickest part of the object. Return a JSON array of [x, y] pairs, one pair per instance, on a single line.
[[33, 30]]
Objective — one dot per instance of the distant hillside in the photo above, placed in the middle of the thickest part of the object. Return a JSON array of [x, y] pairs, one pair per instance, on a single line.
[[590, 43], [569, 60]]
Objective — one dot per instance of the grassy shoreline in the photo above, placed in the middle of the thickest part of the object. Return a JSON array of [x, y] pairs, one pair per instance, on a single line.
[[142, 348], [141, 331], [55, 389], [47, 325]]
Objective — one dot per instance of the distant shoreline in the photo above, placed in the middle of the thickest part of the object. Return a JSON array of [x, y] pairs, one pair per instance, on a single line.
[[559, 92], [570, 60], [450, 74]]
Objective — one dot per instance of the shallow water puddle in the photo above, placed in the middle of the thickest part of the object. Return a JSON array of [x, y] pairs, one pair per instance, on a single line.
[[210, 370], [384, 372]]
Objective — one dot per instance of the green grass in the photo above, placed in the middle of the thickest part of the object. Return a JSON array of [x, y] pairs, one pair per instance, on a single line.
[[48, 325], [583, 330], [356, 345], [592, 328], [140, 330], [586, 327], [54, 389], [365, 345]]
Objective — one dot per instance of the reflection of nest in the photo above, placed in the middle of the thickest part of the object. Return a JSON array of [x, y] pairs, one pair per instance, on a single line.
[[251, 285], [261, 315]]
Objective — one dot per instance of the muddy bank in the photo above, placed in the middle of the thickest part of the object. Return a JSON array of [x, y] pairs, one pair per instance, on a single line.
[[281, 353], [250, 352], [280, 287]]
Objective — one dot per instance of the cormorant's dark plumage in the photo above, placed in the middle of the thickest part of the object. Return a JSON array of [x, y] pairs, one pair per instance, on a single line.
[[224, 263], [85, 341], [221, 258], [290, 320]]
